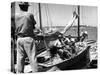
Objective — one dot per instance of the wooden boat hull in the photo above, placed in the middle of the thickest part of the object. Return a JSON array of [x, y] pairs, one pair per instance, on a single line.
[[77, 62]]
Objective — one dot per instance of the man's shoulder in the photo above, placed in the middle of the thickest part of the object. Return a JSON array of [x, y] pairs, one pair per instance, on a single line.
[[28, 15], [24, 15]]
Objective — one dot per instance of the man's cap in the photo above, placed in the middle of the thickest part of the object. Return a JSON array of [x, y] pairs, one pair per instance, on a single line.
[[24, 3]]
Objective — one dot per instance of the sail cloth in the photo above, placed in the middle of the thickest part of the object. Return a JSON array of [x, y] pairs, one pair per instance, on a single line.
[[69, 24]]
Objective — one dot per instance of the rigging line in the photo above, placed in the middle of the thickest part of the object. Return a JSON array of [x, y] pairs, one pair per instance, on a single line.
[[82, 19], [86, 25], [81, 16], [74, 10], [35, 8], [49, 16], [76, 20], [36, 13], [42, 27], [75, 23]]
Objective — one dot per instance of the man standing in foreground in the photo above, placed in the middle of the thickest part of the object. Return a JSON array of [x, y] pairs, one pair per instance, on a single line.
[[25, 25]]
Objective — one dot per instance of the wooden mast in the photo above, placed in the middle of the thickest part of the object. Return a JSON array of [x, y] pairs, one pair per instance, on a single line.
[[78, 22], [40, 18]]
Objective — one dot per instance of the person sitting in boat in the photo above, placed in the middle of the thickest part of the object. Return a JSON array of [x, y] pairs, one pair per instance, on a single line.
[[84, 36], [81, 44]]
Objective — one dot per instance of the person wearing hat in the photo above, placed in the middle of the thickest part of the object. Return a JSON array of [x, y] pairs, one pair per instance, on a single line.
[[25, 26], [84, 36]]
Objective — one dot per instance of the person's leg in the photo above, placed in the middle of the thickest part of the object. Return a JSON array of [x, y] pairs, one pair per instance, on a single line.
[[12, 56], [21, 55], [29, 46], [33, 59]]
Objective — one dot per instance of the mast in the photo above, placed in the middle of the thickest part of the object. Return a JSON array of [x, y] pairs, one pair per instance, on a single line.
[[78, 7], [40, 18]]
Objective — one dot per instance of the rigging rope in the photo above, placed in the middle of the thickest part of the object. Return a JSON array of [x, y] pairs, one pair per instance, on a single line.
[[46, 15], [74, 9], [49, 16]]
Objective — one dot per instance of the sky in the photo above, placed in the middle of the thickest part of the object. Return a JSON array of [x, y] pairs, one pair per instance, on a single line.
[[60, 15]]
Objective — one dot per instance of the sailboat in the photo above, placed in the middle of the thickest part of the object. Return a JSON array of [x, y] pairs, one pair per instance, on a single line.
[[73, 61]]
